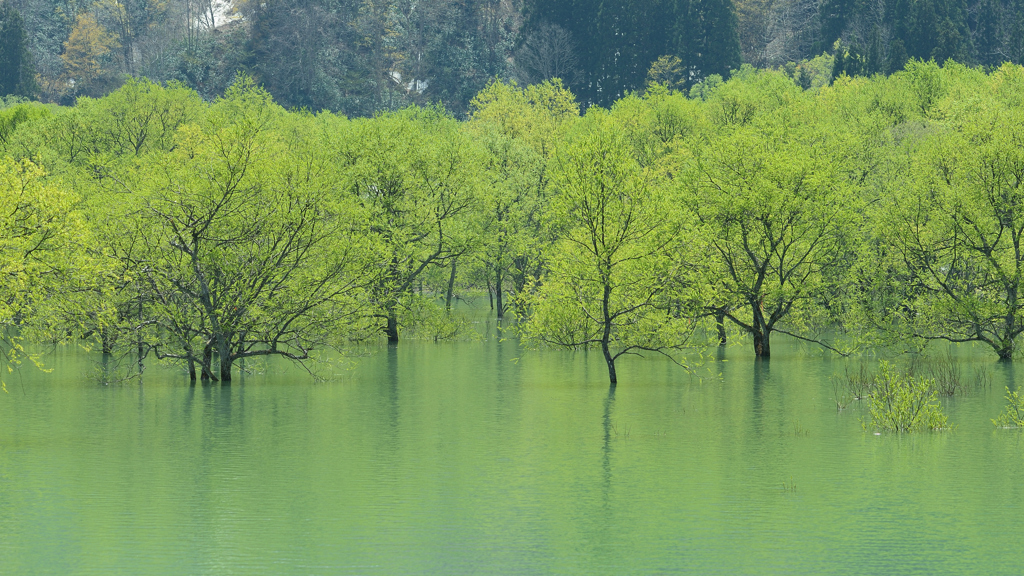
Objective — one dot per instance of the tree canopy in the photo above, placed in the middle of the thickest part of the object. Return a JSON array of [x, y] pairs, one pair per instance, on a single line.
[[864, 213]]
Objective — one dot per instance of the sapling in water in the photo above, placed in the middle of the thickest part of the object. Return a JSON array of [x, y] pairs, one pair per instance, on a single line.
[[905, 403]]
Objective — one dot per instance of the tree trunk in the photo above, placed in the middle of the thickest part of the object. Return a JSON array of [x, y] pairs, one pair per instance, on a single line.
[[225, 359], [720, 322], [191, 369], [392, 327], [762, 331], [490, 294], [762, 344], [1007, 345], [1005, 351], [451, 289], [207, 367], [606, 336], [610, 361], [139, 337], [106, 341], [497, 292]]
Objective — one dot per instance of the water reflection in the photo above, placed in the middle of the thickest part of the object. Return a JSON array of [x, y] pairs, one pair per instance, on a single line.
[[1010, 374], [449, 458], [720, 353], [606, 447], [389, 385], [761, 374]]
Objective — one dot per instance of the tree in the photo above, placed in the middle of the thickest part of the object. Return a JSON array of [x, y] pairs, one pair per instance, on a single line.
[[42, 240], [955, 229], [623, 37], [238, 244], [412, 174], [17, 72], [707, 38], [18, 114], [97, 143], [777, 213], [86, 56], [667, 71], [518, 129], [139, 117], [615, 256], [547, 53]]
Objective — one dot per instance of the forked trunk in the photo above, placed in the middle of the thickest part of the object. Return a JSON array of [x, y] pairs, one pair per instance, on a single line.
[[1007, 346], [761, 331], [1005, 351]]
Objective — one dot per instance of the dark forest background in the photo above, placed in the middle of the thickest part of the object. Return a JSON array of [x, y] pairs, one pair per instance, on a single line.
[[362, 56]]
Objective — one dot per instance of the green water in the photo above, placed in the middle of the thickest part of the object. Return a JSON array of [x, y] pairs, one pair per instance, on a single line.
[[477, 458]]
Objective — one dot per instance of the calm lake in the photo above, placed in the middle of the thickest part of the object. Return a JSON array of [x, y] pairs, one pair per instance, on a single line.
[[480, 458]]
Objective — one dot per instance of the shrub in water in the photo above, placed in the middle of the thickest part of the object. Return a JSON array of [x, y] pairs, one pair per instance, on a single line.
[[905, 403], [1013, 417]]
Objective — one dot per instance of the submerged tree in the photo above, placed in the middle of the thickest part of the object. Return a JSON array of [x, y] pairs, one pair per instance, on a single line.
[[517, 129], [42, 258], [616, 256], [777, 214], [238, 244], [956, 232], [412, 175]]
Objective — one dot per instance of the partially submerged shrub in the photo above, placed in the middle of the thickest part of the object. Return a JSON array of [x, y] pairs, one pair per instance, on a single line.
[[427, 320], [1013, 417], [902, 402], [945, 376]]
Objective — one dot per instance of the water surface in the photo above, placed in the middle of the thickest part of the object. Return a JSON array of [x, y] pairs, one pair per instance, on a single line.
[[479, 458]]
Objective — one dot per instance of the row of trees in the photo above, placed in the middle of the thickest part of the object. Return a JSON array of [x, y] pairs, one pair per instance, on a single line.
[[359, 57], [866, 213], [356, 56]]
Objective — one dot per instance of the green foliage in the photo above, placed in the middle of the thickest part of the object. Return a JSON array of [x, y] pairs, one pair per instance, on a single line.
[[411, 173], [867, 212], [619, 256], [428, 321], [702, 90], [15, 114], [42, 257], [776, 210], [667, 71], [954, 221], [1013, 416], [903, 403], [814, 73]]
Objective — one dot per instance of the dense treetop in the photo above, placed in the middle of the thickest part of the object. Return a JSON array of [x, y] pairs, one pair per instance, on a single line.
[[872, 212]]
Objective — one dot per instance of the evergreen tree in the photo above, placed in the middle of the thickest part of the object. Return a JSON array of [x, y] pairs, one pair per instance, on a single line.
[[987, 33], [1013, 29], [618, 40], [17, 74], [719, 46]]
